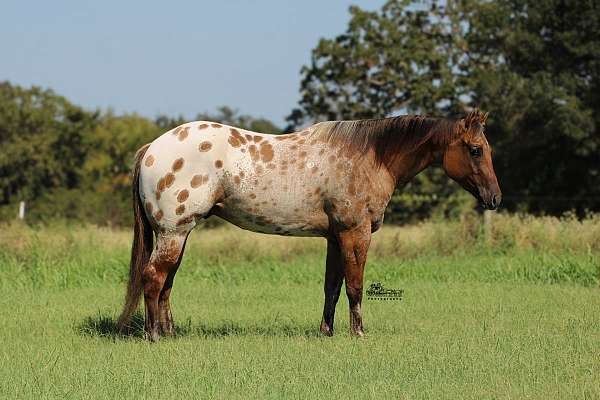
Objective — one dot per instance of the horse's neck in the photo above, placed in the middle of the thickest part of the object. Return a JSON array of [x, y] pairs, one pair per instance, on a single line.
[[405, 166]]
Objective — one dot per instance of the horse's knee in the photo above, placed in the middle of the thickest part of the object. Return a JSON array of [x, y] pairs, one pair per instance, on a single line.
[[354, 294]]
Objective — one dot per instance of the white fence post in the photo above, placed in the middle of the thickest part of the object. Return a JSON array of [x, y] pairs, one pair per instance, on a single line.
[[22, 210]]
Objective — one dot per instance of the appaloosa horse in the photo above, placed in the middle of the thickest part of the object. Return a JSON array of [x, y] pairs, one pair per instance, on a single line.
[[333, 179]]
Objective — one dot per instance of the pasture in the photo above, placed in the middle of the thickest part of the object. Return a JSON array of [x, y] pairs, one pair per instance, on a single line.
[[513, 316]]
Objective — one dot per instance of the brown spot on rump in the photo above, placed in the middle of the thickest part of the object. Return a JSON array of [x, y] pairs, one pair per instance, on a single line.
[[176, 130], [243, 150], [233, 141], [202, 126], [266, 152], [205, 146], [185, 221], [177, 165], [294, 147], [198, 180], [184, 133], [218, 164], [257, 138], [253, 153], [236, 134], [237, 180], [281, 137], [180, 210], [183, 195], [149, 161], [252, 196], [248, 137], [158, 216], [216, 125], [149, 207], [160, 185], [169, 179]]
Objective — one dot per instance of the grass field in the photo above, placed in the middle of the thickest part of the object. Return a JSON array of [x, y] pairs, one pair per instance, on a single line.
[[516, 315]]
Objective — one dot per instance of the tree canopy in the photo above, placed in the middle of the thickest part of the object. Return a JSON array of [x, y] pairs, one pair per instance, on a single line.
[[534, 65]]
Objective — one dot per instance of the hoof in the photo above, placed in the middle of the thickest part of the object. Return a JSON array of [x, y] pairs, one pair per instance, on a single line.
[[359, 333], [152, 336], [326, 330]]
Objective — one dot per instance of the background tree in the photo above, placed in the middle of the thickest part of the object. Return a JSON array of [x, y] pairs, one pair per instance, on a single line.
[[41, 140], [534, 65]]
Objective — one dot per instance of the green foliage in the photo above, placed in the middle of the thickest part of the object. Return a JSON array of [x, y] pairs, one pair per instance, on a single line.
[[42, 139], [534, 65]]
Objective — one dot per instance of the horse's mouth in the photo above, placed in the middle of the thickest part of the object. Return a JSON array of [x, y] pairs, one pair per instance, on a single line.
[[491, 203]]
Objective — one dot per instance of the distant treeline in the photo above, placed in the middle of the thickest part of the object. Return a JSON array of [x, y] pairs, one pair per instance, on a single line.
[[67, 162], [534, 65]]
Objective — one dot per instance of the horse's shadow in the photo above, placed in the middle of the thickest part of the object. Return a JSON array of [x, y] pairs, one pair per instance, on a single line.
[[105, 326]]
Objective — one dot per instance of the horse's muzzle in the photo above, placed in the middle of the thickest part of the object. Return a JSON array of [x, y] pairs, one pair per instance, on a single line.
[[491, 201]]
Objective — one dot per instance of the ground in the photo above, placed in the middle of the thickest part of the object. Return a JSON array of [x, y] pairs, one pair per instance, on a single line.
[[519, 322]]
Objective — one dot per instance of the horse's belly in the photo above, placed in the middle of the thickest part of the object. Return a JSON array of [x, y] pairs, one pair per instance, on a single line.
[[276, 221]]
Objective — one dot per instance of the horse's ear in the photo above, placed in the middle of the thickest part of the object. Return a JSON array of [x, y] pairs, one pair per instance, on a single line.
[[484, 118], [473, 122]]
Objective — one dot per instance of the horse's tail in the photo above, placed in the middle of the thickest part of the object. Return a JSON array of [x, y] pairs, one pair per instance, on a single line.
[[141, 248]]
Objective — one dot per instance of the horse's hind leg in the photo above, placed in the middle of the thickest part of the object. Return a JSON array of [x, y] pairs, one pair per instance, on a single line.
[[167, 326], [163, 263]]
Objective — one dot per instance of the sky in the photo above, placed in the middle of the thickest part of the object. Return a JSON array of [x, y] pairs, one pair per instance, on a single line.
[[169, 57]]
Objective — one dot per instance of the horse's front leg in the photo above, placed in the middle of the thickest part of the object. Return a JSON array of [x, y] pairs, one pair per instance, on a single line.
[[354, 245], [334, 276]]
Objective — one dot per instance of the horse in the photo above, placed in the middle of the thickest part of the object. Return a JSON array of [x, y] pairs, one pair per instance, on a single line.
[[333, 179]]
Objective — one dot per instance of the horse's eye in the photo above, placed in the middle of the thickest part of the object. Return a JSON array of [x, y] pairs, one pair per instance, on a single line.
[[476, 152]]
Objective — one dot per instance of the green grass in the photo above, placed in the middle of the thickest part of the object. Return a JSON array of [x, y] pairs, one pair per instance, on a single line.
[[518, 317]]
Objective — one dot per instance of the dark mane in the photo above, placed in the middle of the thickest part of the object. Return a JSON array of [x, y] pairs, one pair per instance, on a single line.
[[390, 135]]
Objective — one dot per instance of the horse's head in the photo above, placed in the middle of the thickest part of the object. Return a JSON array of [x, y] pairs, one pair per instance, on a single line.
[[468, 160]]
